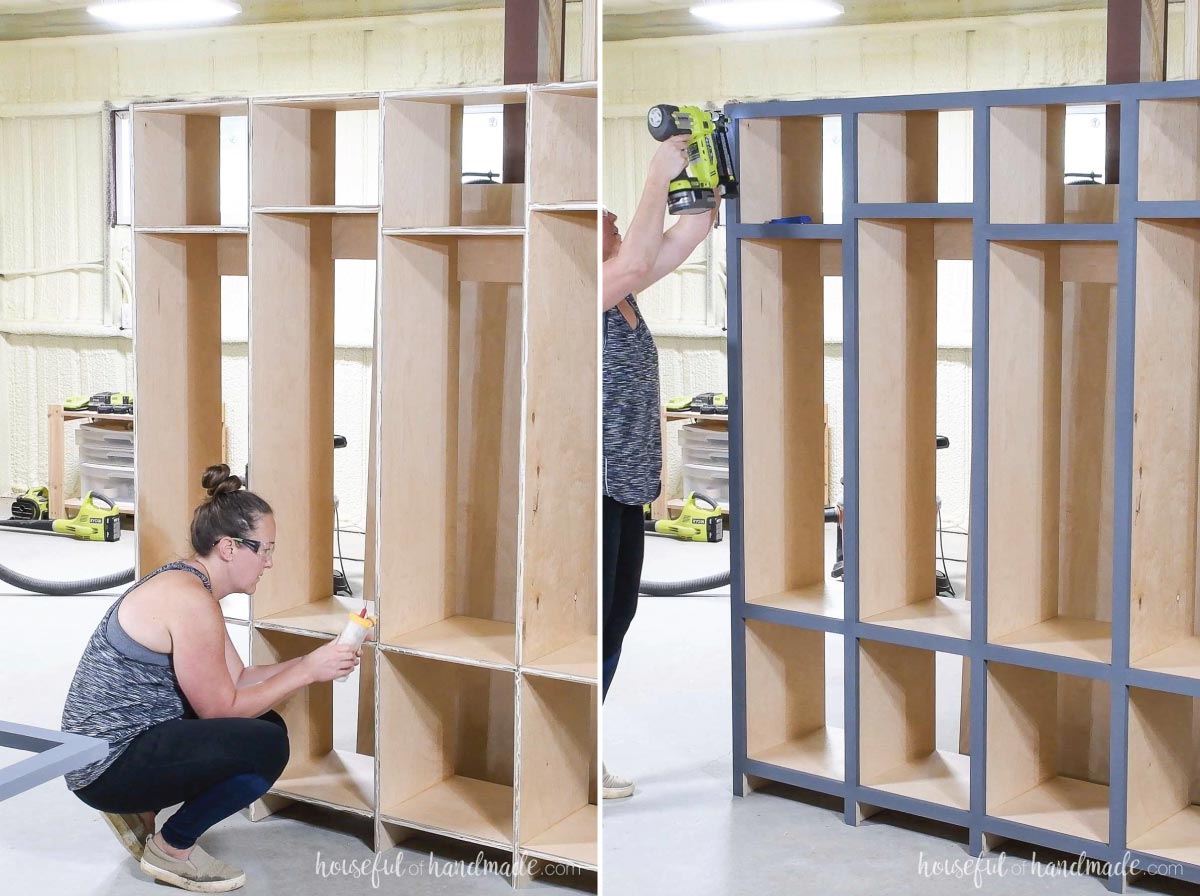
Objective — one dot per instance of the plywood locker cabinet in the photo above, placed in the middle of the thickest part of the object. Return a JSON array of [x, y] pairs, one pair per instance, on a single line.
[[1078, 640], [476, 710]]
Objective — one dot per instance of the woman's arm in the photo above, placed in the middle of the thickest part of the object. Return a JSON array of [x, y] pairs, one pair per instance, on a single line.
[[198, 639], [627, 271], [251, 675]]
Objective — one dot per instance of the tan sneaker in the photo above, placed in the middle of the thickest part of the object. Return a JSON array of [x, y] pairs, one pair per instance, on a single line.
[[200, 872], [129, 830], [616, 787]]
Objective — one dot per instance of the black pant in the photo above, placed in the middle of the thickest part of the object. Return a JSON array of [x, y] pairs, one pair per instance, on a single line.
[[213, 766], [624, 547]]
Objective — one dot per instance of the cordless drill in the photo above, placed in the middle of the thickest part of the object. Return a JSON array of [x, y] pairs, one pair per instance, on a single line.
[[710, 161]]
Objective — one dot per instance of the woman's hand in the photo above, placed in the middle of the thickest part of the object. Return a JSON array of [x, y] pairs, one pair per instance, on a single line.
[[330, 661], [669, 159]]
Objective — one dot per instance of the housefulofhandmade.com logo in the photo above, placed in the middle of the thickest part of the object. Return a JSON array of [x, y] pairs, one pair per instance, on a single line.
[[380, 867], [1002, 865]]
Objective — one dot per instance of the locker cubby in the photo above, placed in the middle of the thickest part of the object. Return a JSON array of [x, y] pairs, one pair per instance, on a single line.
[[562, 164], [451, 356], [424, 132], [317, 771], [559, 813], [897, 323], [177, 149], [446, 747], [794, 714], [1168, 148], [784, 445], [558, 631], [1164, 775], [1164, 631], [1030, 186], [781, 168], [292, 350], [293, 160], [899, 706], [898, 156], [183, 272], [1050, 435], [1048, 750]]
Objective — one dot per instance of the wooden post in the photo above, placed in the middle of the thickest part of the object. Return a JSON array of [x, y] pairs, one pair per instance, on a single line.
[[54, 435], [533, 54], [1137, 51], [1191, 39]]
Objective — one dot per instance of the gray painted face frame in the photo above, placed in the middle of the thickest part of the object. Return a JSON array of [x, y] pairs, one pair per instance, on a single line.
[[55, 753], [981, 828]]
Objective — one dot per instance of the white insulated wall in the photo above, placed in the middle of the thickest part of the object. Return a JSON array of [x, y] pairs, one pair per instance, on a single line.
[[685, 311], [58, 333]]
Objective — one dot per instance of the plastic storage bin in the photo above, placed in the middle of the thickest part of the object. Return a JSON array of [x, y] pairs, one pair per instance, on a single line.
[[102, 437], [708, 447], [708, 480], [109, 457], [114, 482]]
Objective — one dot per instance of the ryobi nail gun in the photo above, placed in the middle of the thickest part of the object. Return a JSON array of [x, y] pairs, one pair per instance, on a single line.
[[710, 162]]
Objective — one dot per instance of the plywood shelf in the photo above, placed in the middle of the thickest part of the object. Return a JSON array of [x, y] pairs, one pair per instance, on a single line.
[[821, 752], [447, 747], [459, 807], [483, 641], [788, 718], [946, 616], [317, 210], [1164, 629], [1163, 816], [781, 169], [563, 151], [573, 840], [183, 272], [558, 811], [1048, 750], [1181, 658], [196, 229], [178, 178], [898, 156], [1067, 805], [1177, 838], [449, 232], [897, 285], [1084, 639], [578, 660], [321, 617], [340, 778], [940, 777], [295, 147], [898, 704], [1168, 146], [559, 584], [824, 599], [316, 772], [1052, 413]]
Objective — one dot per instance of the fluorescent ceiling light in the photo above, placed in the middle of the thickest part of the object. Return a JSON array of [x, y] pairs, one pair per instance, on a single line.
[[143, 13], [766, 13]]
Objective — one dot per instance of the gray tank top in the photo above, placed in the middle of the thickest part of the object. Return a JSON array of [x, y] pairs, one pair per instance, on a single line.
[[632, 435], [121, 688]]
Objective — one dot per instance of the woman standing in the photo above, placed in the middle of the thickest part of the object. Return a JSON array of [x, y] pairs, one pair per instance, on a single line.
[[632, 439]]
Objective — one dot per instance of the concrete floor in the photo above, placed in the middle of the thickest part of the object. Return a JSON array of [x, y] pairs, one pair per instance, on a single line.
[[667, 725], [50, 842]]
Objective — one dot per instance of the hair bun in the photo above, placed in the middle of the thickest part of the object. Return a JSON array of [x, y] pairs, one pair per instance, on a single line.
[[218, 481]]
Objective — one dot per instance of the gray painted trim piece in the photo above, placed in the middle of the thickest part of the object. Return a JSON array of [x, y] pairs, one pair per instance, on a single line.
[[56, 753]]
